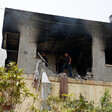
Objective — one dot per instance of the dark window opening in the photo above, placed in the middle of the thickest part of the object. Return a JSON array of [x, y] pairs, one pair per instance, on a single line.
[[80, 51], [11, 44], [108, 56]]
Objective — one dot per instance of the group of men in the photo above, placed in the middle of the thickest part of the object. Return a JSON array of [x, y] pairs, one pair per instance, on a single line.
[[67, 63]]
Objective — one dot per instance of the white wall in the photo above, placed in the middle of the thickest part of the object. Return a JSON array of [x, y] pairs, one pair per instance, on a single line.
[[3, 56]]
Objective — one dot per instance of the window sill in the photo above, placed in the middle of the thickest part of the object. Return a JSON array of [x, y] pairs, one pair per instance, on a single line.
[[108, 65]]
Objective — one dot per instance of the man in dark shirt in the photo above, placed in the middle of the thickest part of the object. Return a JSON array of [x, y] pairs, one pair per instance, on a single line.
[[45, 58], [67, 64]]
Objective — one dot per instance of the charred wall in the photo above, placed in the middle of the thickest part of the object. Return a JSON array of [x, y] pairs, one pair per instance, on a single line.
[[56, 35]]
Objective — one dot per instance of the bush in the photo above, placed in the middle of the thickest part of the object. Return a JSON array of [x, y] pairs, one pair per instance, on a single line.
[[70, 104], [13, 88]]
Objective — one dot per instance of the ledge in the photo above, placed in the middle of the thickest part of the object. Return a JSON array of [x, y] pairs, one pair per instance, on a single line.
[[81, 81], [108, 65], [75, 81]]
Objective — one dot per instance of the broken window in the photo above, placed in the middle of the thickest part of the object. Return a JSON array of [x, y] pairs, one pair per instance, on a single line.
[[79, 48], [11, 44]]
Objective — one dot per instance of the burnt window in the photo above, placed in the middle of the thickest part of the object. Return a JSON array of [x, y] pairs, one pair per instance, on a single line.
[[108, 56], [11, 44]]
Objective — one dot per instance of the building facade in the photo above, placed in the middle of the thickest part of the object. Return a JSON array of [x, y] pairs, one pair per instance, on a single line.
[[87, 42]]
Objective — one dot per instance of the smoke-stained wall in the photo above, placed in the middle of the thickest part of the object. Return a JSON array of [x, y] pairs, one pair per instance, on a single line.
[[56, 35]]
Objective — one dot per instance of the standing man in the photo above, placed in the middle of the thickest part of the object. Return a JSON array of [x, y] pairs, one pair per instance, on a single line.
[[67, 64]]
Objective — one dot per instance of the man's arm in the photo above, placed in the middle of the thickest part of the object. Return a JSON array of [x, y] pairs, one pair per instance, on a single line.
[[70, 60]]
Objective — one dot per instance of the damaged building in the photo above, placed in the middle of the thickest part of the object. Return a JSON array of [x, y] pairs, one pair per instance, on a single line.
[[87, 42]]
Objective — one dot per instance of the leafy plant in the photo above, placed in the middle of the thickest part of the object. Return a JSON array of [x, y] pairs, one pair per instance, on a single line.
[[13, 88], [70, 104]]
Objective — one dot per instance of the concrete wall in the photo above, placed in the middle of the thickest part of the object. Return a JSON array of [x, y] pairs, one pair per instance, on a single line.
[[100, 70], [27, 50], [90, 89], [28, 101]]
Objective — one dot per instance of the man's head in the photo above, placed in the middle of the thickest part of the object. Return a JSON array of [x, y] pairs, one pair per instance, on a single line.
[[43, 54], [66, 54]]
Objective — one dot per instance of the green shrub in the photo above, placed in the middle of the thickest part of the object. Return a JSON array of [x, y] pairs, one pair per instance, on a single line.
[[13, 88], [70, 104]]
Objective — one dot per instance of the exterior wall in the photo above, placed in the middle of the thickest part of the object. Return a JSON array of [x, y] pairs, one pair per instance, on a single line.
[[100, 70], [28, 101], [90, 89], [27, 50]]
